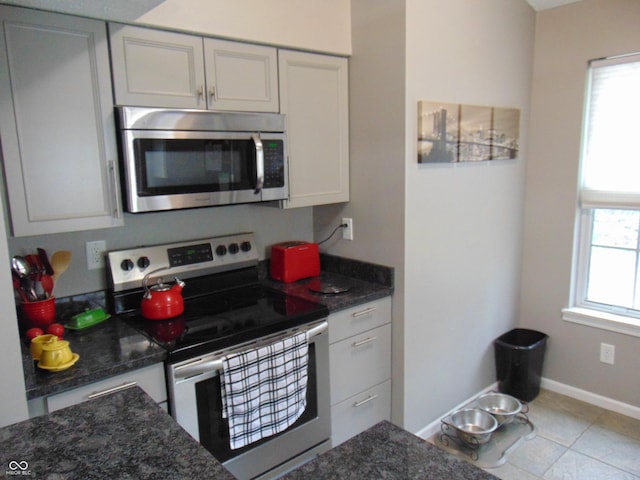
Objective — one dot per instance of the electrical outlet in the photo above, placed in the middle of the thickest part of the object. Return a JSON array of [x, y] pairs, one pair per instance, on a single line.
[[607, 353], [95, 254], [347, 232]]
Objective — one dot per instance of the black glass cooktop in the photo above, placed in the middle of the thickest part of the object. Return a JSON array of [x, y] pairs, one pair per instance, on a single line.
[[216, 321]]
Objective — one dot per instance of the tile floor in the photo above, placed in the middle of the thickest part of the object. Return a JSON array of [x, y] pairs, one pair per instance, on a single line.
[[574, 441]]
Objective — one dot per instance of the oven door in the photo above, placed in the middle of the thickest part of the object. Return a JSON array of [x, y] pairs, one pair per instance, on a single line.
[[166, 170], [195, 402]]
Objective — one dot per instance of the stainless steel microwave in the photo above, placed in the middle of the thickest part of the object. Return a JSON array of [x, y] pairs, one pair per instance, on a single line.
[[176, 159]]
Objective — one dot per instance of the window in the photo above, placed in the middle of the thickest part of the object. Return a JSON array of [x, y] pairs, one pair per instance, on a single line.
[[606, 289]]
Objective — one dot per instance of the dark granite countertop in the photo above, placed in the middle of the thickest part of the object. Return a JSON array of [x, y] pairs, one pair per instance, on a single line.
[[113, 347], [363, 281], [124, 435], [107, 349], [359, 291], [385, 451]]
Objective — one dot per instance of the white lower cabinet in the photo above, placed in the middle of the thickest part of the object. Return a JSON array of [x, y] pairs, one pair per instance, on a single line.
[[360, 368], [357, 413], [151, 379]]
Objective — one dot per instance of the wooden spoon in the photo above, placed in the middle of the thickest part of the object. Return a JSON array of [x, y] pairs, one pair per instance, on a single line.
[[60, 261]]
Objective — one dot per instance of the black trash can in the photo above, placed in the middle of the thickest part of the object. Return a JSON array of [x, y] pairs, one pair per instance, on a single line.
[[519, 360]]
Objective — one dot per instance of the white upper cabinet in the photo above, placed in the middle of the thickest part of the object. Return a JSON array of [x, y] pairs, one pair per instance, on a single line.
[[314, 98], [241, 76], [57, 123], [156, 68]]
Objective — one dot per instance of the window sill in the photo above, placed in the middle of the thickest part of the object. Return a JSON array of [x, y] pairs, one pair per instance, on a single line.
[[602, 320]]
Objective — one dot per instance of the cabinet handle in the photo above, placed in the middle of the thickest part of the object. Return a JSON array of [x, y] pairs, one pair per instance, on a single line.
[[113, 185], [366, 400], [259, 164], [108, 391], [200, 91], [365, 341], [212, 93], [362, 313]]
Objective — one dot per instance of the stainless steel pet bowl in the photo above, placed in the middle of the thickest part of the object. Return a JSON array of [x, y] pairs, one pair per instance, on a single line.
[[503, 407], [474, 426]]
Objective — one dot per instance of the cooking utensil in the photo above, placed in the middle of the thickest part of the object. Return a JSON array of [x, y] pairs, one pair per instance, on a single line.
[[60, 261], [473, 426], [502, 406], [44, 259], [36, 272], [17, 286], [21, 268], [47, 284]]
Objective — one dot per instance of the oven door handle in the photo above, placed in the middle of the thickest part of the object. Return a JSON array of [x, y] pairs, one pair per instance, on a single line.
[[204, 365], [259, 163]]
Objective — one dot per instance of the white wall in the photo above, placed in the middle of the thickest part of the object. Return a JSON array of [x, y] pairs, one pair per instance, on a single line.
[[463, 222], [377, 152], [13, 403], [566, 38], [453, 232]]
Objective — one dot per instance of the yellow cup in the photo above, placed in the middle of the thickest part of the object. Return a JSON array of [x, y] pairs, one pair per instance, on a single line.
[[38, 342], [55, 353]]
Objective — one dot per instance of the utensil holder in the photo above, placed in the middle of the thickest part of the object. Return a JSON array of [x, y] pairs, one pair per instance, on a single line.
[[41, 313]]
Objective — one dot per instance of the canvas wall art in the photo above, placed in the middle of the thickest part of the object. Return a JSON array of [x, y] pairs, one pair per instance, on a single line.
[[453, 132]]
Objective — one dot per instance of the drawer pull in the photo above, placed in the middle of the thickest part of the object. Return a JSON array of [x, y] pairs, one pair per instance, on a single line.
[[364, 312], [366, 400], [365, 341], [108, 391]]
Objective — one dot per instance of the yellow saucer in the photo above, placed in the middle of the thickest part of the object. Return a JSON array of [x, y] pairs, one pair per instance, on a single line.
[[64, 366]]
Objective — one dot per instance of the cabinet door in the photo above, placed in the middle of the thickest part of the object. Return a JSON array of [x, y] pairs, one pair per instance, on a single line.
[[357, 413], [57, 123], [358, 319], [359, 362], [151, 379], [314, 97], [240, 76], [154, 68]]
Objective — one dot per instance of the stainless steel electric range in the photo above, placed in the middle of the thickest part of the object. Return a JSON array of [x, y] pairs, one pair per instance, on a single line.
[[226, 310]]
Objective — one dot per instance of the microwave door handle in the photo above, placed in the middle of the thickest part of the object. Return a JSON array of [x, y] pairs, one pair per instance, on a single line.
[[259, 163]]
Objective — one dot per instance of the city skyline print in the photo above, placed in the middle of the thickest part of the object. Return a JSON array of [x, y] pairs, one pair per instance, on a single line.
[[452, 132]]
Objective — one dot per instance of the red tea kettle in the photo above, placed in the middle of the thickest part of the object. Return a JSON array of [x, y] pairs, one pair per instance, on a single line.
[[161, 301]]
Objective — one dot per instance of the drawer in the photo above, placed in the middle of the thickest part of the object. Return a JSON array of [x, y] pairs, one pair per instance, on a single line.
[[355, 320], [151, 379], [357, 413], [359, 362]]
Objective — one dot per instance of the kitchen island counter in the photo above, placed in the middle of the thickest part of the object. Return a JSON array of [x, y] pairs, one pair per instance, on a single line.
[[389, 452], [122, 435]]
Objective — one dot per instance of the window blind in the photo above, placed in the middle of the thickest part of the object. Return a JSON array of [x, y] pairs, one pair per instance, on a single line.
[[611, 145]]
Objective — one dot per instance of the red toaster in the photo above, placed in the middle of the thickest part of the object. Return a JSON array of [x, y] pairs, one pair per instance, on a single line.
[[291, 261]]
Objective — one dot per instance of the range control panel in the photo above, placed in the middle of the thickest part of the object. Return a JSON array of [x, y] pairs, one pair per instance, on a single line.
[[127, 268]]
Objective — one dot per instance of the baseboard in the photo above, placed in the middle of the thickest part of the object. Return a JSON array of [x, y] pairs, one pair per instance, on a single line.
[[434, 427], [592, 398], [557, 387]]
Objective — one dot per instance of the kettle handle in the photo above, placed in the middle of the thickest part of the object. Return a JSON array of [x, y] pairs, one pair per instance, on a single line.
[[145, 280]]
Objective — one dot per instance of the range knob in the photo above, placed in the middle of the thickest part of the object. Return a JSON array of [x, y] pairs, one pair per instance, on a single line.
[[221, 250], [233, 248], [245, 246], [126, 265], [143, 262]]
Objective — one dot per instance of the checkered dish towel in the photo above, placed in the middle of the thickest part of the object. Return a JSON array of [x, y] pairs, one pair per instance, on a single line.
[[264, 389]]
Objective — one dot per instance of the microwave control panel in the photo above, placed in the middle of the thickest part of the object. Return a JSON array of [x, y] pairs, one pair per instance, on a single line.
[[273, 163]]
